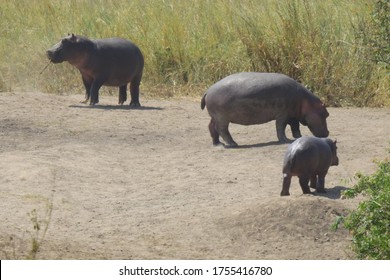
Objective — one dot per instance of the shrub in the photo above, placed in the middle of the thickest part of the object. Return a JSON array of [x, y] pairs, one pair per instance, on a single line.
[[369, 224]]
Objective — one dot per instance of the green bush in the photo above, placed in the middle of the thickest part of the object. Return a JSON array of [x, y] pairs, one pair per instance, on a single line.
[[369, 224]]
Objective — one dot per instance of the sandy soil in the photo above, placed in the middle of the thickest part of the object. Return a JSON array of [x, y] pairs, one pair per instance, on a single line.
[[148, 184]]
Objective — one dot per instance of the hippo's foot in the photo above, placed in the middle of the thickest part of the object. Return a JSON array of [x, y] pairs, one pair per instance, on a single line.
[[134, 105], [231, 145], [94, 101], [217, 143], [321, 190], [306, 190], [122, 100], [309, 192], [283, 193], [296, 134], [284, 140]]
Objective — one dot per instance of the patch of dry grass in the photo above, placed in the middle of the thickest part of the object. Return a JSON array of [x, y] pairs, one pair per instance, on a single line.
[[189, 46]]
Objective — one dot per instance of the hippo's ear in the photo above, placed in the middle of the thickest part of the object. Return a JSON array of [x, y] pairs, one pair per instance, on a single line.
[[73, 38], [335, 144]]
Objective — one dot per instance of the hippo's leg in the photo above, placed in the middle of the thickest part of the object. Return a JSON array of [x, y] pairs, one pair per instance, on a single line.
[[321, 184], [213, 132], [280, 129], [313, 181], [122, 94], [286, 185], [294, 124], [134, 92], [87, 85], [304, 182], [94, 92], [225, 134]]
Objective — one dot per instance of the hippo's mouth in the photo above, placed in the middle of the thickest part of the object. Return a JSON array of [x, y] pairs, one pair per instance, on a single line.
[[54, 57]]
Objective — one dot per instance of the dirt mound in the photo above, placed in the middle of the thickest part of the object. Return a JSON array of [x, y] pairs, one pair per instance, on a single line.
[[292, 228]]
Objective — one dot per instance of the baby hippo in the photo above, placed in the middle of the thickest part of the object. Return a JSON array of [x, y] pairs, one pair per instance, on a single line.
[[309, 158]]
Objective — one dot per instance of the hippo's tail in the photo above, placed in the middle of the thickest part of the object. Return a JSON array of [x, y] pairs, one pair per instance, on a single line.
[[203, 102]]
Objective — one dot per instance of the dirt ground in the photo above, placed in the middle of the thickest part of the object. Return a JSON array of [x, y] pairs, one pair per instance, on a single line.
[[148, 183]]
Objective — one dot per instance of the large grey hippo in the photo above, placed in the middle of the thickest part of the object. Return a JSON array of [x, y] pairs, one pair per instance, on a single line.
[[255, 98], [111, 62], [309, 158]]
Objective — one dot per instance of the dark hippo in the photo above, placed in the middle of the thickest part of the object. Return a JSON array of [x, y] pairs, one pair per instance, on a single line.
[[309, 158], [256, 98], [110, 62]]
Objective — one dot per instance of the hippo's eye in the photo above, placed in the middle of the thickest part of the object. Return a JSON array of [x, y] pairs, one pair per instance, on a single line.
[[65, 42]]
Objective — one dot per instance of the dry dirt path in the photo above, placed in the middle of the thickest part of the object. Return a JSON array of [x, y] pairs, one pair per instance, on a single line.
[[148, 184]]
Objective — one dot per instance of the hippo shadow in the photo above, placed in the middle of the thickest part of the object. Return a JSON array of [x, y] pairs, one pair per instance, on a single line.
[[332, 193], [261, 145], [116, 107]]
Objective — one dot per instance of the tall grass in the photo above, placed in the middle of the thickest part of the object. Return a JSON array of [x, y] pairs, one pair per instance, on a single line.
[[188, 45]]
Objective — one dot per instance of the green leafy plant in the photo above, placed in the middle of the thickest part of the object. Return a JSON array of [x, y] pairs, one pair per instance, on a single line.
[[369, 224]]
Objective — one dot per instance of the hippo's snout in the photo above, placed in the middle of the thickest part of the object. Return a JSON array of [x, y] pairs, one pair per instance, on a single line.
[[317, 132], [324, 134], [55, 53], [335, 161], [54, 56], [50, 54]]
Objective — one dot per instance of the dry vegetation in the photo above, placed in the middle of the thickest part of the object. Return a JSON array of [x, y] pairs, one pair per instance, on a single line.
[[189, 47]]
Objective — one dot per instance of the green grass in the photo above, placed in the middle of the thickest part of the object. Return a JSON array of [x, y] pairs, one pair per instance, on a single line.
[[189, 45]]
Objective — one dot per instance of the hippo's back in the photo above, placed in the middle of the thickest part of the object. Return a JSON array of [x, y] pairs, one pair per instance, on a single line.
[[261, 88], [252, 83], [120, 59], [119, 49], [307, 153], [254, 98], [115, 43]]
